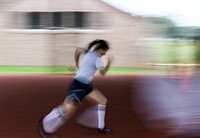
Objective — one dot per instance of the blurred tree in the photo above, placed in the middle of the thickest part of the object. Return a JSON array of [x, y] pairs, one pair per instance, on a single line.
[[165, 24], [172, 30]]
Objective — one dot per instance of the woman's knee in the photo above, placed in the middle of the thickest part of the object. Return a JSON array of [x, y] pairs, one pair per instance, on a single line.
[[72, 100], [103, 101], [69, 107]]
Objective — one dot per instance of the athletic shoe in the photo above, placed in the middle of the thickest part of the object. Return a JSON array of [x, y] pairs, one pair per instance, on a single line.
[[104, 130], [42, 132]]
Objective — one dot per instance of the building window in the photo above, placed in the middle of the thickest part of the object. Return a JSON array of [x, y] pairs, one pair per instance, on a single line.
[[45, 20], [79, 20], [68, 19], [74, 19], [57, 19], [35, 20]]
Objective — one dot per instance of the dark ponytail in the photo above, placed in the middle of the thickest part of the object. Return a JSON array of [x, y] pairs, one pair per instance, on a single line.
[[100, 44]]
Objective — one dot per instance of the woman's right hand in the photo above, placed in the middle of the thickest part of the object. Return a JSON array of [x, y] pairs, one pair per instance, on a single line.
[[110, 58]]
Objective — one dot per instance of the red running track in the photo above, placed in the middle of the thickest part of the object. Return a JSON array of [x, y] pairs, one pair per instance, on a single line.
[[24, 98]]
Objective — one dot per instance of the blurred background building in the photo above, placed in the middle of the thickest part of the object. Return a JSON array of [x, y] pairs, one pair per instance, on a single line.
[[46, 32]]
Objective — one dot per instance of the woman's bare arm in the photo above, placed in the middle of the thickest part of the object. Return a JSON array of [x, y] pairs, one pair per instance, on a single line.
[[107, 67], [78, 52]]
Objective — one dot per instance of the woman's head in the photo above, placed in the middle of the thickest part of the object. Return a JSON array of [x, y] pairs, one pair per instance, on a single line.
[[100, 45]]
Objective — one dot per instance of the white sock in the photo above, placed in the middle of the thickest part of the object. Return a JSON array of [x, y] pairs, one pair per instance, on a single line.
[[101, 116], [89, 117], [54, 120]]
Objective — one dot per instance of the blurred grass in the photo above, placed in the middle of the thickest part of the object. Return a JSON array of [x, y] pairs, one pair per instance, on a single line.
[[70, 70], [166, 52]]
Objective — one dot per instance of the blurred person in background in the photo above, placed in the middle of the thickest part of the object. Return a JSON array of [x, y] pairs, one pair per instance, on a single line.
[[81, 89]]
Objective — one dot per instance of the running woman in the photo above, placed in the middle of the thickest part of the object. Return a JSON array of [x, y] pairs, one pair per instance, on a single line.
[[81, 88]]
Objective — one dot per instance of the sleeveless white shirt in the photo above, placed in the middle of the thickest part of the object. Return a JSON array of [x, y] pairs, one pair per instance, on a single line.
[[90, 63]]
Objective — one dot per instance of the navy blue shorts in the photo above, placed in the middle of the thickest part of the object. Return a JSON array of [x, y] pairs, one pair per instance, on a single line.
[[79, 90]]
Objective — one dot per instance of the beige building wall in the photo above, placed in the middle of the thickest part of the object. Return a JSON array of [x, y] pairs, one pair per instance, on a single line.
[[56, 47]]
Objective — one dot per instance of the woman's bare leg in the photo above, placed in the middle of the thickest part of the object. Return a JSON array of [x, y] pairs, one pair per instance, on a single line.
[[59, 115], [98, 98]]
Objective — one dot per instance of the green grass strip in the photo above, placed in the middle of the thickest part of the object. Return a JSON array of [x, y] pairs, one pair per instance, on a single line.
[[71, 70]]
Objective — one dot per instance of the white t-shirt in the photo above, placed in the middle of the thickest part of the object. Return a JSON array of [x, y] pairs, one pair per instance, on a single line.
[[90, 63]]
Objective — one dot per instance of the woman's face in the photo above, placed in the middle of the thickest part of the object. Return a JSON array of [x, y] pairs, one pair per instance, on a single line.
[[102, 52]]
